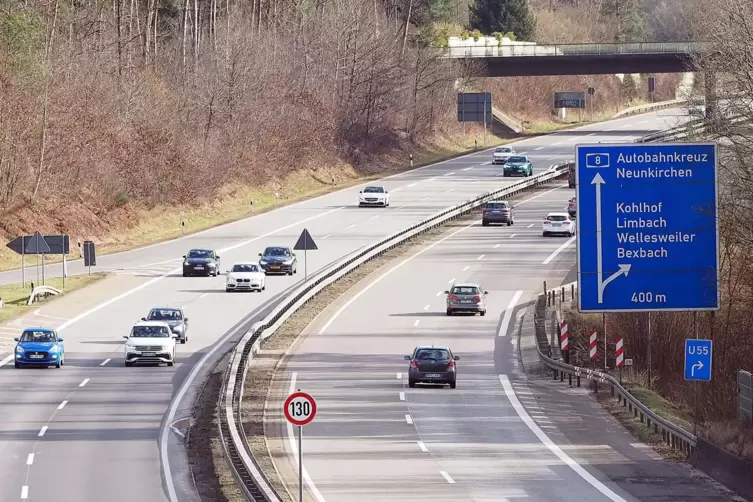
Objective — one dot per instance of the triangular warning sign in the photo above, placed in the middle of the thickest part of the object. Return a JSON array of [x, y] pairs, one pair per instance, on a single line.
[[305, 242], [37, 245]]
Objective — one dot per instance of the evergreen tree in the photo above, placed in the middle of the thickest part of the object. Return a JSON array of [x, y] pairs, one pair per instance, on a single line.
[[489, 16], [631, 27], [442, 10]]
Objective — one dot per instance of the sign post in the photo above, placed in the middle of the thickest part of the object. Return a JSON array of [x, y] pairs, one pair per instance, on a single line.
[[300, 409], [698, 359], [305, 243], [649, 240]]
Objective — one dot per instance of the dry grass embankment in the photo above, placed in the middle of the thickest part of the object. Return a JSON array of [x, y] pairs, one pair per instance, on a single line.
[[15, 296]]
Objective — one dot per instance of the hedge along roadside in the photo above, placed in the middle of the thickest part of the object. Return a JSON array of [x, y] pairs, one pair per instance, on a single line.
[[255, 485]]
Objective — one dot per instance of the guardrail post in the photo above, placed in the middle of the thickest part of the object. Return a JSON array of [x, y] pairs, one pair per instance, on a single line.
[[570, 379], [578, 378], [562, 376], [562, 299], [572, 292], [545, 291]]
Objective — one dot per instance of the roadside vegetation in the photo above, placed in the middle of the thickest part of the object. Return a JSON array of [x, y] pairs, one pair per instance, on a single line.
[[727, 24], [117, 116]]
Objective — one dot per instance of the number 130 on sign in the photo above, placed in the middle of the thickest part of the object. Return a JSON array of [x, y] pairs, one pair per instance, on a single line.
[[300, 408]]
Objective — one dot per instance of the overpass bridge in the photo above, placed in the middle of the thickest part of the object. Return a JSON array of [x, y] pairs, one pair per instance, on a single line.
[[525, 59]]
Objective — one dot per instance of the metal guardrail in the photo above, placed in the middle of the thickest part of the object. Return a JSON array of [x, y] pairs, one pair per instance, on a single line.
[[649, 107], [255, 485], [675, 436], [250, 478], [689, 48]]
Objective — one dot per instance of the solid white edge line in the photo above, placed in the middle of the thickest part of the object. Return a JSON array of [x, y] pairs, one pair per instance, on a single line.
[[62, 405], [402, 396], [564, 457], [86, 381], [559, 250], [24, 492], [292, 442], [447, 477], [42, 431], [105, 362], [508, 313], [408, 419], [30, 459], [423, 447]]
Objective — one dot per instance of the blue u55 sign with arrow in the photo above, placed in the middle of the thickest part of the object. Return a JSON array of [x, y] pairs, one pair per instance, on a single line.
[[647, 230]]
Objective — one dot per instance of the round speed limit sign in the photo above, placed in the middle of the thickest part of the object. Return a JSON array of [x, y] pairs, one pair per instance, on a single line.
[[300, 408]]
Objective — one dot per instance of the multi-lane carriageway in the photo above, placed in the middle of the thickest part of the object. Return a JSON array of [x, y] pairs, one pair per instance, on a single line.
[[95, 430]]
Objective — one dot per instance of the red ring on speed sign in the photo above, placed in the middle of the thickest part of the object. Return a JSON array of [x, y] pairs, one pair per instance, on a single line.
[[307, 399]]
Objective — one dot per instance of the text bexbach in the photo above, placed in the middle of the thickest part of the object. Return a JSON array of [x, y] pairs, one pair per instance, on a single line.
[[643, 172], [642, 238]]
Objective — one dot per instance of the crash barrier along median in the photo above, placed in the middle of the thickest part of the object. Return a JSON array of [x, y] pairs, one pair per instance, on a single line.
[[253, 482], [42, 291], [549, 312], [255, 485], [650, 107]]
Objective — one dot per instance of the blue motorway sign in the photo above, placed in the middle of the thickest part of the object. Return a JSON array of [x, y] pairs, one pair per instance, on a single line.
[[646, 224], [698, 355]]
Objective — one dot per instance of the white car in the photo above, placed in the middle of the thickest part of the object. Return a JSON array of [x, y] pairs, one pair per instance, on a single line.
[[373, 196], [246, 277], [150, 342], [502, 153], [558, 223]]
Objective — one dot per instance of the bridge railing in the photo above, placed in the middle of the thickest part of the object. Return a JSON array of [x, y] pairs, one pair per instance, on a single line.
[[688, 48]]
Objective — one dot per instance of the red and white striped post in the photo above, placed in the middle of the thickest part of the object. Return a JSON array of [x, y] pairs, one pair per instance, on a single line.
[[592, 351], [563, 337], [620, 354]]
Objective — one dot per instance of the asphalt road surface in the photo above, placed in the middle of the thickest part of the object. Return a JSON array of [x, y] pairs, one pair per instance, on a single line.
[[96, 430], [376, 439]]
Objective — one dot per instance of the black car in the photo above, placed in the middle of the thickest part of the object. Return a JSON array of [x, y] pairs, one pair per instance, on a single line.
[[430, 364], [498, 211], [278, 260], [201, 262]]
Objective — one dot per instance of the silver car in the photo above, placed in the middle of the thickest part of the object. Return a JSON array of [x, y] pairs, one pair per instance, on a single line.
[[466, 298]]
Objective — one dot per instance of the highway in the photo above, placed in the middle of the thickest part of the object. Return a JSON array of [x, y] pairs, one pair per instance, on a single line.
[[96, 429], [375, 439]]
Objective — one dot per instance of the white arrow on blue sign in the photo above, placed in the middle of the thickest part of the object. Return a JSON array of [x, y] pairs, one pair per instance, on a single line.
[[698, 359]]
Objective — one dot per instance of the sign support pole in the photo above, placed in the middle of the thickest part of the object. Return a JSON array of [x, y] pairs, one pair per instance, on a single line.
[[23, 261], [697, 386], [305, 266], [43, 260], [64, 270], [604, 327], [648, 355], [300, 463]]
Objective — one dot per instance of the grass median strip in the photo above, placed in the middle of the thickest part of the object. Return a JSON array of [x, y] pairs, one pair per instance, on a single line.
[[15, 296]]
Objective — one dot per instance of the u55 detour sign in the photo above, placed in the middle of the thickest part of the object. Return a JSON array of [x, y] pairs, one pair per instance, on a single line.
[[647, 230]]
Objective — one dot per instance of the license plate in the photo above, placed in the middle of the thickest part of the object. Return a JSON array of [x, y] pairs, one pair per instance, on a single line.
[[275, 267], [36, 356], [199, 267], [148, 354], [432, 375], [466, 301], [556, 224]]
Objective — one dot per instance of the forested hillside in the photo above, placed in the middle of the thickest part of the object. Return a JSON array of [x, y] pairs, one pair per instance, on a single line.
[[110, 108]]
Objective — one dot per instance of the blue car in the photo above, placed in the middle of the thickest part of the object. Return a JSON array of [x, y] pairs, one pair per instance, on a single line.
[[39, 347]]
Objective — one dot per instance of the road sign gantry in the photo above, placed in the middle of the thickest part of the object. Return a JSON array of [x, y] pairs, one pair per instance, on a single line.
[[647, 228]]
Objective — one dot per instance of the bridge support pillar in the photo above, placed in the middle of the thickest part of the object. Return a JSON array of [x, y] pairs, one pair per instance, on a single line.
[[710, 91]]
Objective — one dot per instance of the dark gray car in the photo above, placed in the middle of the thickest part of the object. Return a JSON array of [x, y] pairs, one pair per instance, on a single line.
[[201, 262], [498, 211], [174, 318], [466, 298], [278, 260], [430, 364], [571, 208]]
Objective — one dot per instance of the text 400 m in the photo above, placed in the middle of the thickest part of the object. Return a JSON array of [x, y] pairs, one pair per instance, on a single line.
[[648, 297]]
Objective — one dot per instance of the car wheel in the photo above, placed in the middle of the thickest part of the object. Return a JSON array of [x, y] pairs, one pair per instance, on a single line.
[[57, 366], [185, 274], [483, 313], [545, 234], [170, 364], [16, 365], [264, 287], [449, 312], [62, 361], [411, 384], [484, 223], [183, 341], [509, 223], [360, 205], [128, 365], [453, 384]]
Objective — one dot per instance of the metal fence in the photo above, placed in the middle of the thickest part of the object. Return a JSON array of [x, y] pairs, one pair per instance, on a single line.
[[745, 396], [688, 48]]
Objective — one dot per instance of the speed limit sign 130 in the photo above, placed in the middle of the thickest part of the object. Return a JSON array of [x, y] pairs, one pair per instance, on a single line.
[[300, 408]]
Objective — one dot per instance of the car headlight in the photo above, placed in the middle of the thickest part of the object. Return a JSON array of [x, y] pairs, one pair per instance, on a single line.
[[185, 263], [130, 347], [288, 262], [231, 279], [19, 349], [178, 328], [212, 264]]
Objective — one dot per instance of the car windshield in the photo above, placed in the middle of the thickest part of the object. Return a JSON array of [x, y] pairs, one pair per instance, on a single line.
[[556, 217], [503, 150], [150, 332], [516, 159], [245, 268], [464, 290], [200, 253], [38, 337], [433, 354], [497, 205], [165, 315], [276, 252], [572, 200], [373, 190]]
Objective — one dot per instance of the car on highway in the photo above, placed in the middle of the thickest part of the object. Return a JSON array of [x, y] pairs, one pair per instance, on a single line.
[[498, 211], [466, 298], [518, 165], [278, 260], [374, 196], [571, 209], [246, 277], [501, 154], [150, 342], [39, 347], [558, 223], [174, 318], [201, 262], [432, 364]]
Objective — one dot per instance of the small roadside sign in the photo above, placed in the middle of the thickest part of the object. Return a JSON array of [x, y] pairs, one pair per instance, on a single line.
[[300, 409], [698, 357]]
